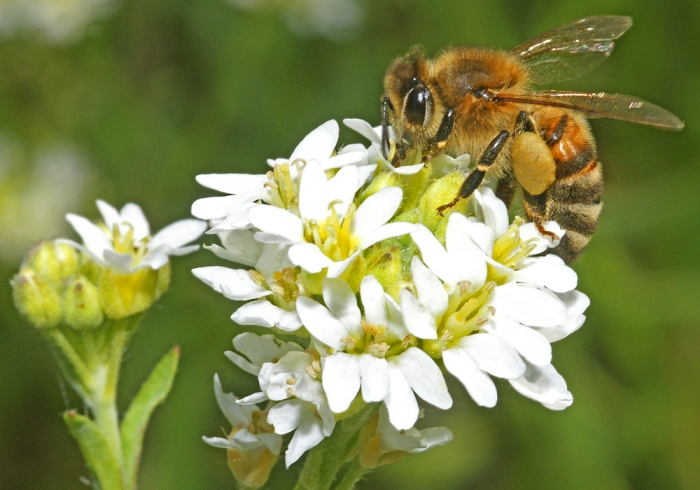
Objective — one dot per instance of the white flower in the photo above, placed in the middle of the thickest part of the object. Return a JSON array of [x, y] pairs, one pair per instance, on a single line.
[[230, 212], [369, 353], [124, 242], [241, 419], [412, 440], [504, 328], [327, 234]]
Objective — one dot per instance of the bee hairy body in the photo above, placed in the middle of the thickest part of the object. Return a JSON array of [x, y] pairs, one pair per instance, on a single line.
[[480, 101]]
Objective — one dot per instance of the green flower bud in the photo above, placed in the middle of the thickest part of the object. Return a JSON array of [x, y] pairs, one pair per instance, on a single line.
[[123, 295], [53, 261], [440, 192], [81, 304], [384, 263], [36, 299]]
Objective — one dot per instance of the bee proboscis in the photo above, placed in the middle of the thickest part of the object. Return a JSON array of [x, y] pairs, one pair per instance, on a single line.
[[480, 101]]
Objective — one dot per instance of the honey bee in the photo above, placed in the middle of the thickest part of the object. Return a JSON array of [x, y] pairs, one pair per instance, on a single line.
[[480, 101]]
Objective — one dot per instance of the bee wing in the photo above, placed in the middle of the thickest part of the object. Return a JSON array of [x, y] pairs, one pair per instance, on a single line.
[[614, 106], [573, 49]]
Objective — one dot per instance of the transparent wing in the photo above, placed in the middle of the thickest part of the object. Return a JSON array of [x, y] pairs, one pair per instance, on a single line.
[[614, 106], [573, 49]]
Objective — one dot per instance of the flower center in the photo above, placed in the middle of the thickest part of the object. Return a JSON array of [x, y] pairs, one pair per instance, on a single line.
[[333, 236]]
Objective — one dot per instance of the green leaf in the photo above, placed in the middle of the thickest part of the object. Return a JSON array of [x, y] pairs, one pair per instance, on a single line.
[[98, 456], [151, 394]]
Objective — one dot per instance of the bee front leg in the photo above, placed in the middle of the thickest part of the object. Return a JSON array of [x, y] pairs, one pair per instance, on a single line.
[[444, 131], [473, 180]]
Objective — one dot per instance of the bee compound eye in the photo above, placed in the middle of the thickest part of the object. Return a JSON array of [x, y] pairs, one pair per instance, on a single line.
[[418, 106]]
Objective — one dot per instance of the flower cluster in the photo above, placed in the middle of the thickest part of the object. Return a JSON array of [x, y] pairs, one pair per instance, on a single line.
[[347, 256]]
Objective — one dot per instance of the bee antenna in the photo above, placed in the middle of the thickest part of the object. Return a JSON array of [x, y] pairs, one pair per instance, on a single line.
[[386, 144]]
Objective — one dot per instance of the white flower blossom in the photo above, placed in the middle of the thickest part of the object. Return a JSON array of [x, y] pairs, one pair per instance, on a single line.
[[371, 365], [124, 242]]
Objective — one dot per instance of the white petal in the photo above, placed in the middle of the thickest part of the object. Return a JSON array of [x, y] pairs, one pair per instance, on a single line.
[[273, 258], [400, 402], [531, 344], [321, 323], [219, 442], [277, 222], [341, 380], [288, 415], [237, 219], [318, 144], [341, 302], [376, 210], [424, 377], [343, 187], [119, 261], [240, 247], [309, 257], [94, 238], [431, 292], [260, 312], [548, 271], [335, 269], [432, 437], [374, 374], [263, 348], [233, 283], [348, 156], [528, 305], [545, 385], [253, 399], [243, 363], [313, 193], [572, 323], [364, 128], [466, 256], [493, 355], [389, 230], [308, 435], [179, 233], [372, 295], [408, 169], [109, 214], [492, 209], [529, 230], [215, 207], [575, 301], [133, 214], [418, 320], [477, 382], [235, 413], [434, 255], [234, 183]]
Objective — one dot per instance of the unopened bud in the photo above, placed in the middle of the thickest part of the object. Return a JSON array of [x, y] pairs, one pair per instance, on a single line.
[[251, 468], [439, 193], [384, 263], [81, 303], [36, 300], [53, 261], [123, 295]]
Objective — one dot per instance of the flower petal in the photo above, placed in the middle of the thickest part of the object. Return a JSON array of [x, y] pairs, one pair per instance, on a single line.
[[341, 302], [493, 355], [178, 234], [236, 414], [279, 225], [434, 255], [321, 323], [364, 128], [133, 214], [418, 320], [389, 230], [468, 258], [431, 292], [319, 144], [548, 271], [545, 385], [234, 183], [309, 257], [372, 296], [424, 377], [94, 238], [260, 312], [376, 210], [528, 305], [478, 384], [240, 246], [233, 283], [529, 343], [491, 210], [313, 193], [374, 374], [400, 402], [341, 380]]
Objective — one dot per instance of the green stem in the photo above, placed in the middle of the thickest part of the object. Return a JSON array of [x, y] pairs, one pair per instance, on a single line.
[[326, 459], [352, 476]]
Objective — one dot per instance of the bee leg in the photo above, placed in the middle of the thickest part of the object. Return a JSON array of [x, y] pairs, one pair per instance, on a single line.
[[473, 180], [444, 131], [506, 188], [536, 209], [523, 124]]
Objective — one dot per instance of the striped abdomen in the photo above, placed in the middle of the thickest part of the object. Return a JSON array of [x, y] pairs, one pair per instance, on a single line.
[[573, 200]]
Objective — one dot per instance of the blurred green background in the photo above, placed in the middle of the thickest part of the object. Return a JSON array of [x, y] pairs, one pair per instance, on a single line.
[[128, 101]]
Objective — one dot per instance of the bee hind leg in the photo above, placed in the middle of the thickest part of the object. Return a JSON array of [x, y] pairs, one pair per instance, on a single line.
[[473, 180]]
